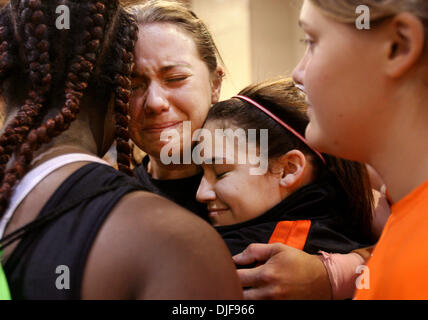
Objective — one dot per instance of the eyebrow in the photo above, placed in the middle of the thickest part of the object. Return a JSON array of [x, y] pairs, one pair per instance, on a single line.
[[212, 160], [302, 23], [172, 66], [307, 27], [222, 159], [163, 69]]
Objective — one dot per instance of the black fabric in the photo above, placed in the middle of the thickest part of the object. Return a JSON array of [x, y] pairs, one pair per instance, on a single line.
[[181, 191], [330, 229], [66, 241]]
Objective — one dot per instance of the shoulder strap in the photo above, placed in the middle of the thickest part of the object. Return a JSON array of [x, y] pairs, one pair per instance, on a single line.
[[35, 176], [4, 288], [41, 221]]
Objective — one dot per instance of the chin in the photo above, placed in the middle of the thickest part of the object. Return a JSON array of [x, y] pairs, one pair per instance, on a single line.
[[222, 220], [331, 145], [318, 140], [312, 135]]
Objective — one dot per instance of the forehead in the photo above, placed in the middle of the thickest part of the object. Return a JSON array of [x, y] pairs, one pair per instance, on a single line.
[[223, 136], [164, 44], [310, 15]]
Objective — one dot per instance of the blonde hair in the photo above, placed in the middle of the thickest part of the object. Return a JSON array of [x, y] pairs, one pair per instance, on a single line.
[[160, 11], [344, 10]]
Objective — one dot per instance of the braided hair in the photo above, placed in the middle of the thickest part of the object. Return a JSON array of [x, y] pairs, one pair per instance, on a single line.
[[98, 49]]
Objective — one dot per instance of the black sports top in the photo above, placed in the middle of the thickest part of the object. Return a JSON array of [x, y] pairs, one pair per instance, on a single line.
[[181, 191], [32, 268], [314, 216]]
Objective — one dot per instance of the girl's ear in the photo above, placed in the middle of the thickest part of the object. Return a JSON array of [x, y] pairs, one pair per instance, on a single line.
[[293, 166], [216, 82], [407, 40]]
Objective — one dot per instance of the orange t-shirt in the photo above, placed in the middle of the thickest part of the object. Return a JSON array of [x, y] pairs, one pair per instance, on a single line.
[[398, 268]]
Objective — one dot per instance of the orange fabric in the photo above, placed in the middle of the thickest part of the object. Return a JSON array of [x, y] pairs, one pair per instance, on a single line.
[[291, 233], [398, 268]]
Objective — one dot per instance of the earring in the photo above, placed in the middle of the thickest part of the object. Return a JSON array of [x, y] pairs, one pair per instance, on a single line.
[[289, 179]]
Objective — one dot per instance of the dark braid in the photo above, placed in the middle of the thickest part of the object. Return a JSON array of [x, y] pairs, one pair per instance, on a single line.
[[7, 47], [7, 63], [125, 43], [81, 69], [36, 51]]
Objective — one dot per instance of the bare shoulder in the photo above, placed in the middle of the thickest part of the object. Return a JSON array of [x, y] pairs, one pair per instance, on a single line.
[[151, 248], [152, 216]]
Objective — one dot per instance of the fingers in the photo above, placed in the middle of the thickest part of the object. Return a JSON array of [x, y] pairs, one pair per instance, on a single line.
[[257, 252], [260, 283], [250, 277], [256, 294]]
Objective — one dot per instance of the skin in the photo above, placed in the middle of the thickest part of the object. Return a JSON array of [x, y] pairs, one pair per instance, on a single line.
[[171, 84], [225, 187], [284, 273], [130, 255]]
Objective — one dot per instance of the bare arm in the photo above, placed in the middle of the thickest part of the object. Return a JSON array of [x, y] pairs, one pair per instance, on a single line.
[[150, 248]]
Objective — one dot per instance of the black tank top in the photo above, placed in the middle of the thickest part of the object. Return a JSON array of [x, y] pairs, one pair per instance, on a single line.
[[45, 259], [181, 191]]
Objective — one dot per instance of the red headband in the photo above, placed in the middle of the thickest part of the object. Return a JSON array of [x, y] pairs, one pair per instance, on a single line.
[[282, 123]]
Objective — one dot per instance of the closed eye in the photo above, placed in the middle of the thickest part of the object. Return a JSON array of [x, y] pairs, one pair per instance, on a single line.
[[176, 79], [221, 175], [307, 42], [136, 87]]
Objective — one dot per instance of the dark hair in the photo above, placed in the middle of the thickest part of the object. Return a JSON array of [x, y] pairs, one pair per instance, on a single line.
[[286, 101], [96, 52]]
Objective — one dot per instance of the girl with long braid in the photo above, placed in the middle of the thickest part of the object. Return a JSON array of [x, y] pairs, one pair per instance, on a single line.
[[67, 94]]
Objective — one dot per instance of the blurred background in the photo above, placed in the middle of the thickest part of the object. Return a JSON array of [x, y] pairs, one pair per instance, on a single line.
[[257, 39]]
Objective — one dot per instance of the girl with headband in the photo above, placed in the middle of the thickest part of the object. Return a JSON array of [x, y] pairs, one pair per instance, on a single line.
[[306, 200]]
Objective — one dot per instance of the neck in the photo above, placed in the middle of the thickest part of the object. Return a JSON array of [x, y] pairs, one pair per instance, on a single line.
[[170, 172], [77, 139], [402, 160], [49, 152]]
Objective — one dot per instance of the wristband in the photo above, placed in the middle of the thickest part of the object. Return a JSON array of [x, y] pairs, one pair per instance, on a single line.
[[342, 272]]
